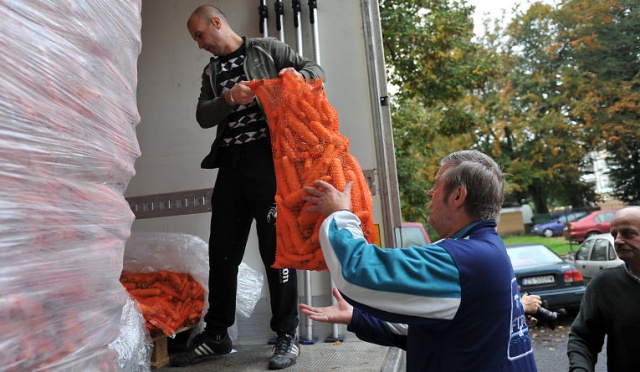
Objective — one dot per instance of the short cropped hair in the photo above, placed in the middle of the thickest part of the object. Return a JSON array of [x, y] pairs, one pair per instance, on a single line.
[[208, 11], [483, 179]]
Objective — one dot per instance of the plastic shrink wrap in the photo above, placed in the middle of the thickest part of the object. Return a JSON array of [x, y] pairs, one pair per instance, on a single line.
[[183, 253], [68, 75]]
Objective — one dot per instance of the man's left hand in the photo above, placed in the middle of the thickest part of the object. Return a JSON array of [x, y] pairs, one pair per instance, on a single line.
[[291, 70]]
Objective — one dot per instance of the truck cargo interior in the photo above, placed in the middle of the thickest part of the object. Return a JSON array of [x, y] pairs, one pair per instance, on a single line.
[[170, 193]]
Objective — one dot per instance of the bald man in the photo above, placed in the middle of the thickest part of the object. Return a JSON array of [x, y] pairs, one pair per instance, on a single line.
[[245, 185], [611, 305]]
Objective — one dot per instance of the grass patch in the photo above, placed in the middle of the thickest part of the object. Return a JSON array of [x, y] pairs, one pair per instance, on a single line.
[[557, 244]]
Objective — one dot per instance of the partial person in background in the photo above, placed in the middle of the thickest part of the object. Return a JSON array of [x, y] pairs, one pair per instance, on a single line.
[[454, 305], [245, 185], [611, 305]]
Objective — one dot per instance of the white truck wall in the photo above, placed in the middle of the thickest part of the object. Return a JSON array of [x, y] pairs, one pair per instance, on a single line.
[[170, 67]]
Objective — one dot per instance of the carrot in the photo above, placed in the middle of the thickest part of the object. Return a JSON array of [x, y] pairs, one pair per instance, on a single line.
[[324, 135], [129, 286], [311, 114], [167, 290], [288, 136], [293, 182], [331, 115], [308, 163], [146, 292], [281, 181], [307, 219], [294, 199], [196, 292], [350, 176], [320, 167], [287, 149], [337, 174], [299, 128], [316, 151], [294, 233]]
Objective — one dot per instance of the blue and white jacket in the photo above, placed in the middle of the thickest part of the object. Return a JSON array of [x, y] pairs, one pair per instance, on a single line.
[[453, 305]]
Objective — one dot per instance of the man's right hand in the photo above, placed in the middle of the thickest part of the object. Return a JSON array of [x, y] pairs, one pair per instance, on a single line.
[[341, 312], [326, 199], [240, 94]]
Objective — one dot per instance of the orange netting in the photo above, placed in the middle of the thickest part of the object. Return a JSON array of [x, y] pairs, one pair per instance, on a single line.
[[307, 147], [167, 300]]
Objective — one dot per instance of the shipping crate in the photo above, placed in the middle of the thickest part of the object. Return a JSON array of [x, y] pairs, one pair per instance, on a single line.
[[160, 355]]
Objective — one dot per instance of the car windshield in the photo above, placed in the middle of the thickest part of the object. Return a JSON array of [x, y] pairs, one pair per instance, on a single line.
[[532, 255]]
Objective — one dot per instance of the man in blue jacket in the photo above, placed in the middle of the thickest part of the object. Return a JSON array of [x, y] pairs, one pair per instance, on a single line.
[[454, 305]]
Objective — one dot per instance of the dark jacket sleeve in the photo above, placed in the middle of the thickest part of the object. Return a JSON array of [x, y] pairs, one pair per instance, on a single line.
[[211, 110], [587, 332], [371, 329], [284, 57]]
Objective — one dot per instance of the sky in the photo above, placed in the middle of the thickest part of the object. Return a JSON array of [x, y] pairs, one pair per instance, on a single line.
[[494, 9]]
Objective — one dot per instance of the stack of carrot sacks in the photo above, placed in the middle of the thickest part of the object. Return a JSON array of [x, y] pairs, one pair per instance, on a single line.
[[306, 147]]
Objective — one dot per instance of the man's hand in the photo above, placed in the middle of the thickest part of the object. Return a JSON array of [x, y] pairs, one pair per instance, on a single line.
[[326, 199], [291, 70], [340, 312], [240, 94], [531, 303]]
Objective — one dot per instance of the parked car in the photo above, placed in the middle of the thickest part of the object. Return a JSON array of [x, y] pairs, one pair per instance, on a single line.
[[598, 222], [412, 234], [541, 271], [556, 226], [595, 253]]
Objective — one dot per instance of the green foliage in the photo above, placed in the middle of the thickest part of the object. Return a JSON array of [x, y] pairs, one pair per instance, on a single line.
[[538, 94], [427, 45], [433, 63]]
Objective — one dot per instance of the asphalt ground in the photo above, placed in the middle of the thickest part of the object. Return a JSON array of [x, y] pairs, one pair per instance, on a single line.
[[550, 346]]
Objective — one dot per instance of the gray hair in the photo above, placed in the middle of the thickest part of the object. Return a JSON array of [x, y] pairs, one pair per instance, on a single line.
[[483, 179]]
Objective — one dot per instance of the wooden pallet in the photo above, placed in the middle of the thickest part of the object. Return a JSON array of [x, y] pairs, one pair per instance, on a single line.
[[160, 356]]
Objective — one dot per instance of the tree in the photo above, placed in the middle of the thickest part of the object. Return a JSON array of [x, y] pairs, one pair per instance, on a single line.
[[538, 94], [433, 62], [600, 42], [523, 114]]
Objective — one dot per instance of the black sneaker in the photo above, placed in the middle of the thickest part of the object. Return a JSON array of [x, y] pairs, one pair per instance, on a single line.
[[285, 352], [203, 347]]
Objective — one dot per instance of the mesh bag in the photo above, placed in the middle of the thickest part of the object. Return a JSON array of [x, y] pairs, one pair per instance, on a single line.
[[167, 300], [306, 147]]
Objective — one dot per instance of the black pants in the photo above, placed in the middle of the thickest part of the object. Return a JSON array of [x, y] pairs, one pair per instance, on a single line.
[[244, 191]]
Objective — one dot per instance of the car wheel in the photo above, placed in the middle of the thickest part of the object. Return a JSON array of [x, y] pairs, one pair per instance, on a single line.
[[547, 233]]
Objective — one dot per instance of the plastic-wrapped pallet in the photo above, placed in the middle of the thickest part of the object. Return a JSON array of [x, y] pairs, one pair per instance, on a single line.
[[68, 76]]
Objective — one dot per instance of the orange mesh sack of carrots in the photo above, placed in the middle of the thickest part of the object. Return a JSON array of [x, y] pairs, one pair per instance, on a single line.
[[306, 147], [168, 274], [167, 300]]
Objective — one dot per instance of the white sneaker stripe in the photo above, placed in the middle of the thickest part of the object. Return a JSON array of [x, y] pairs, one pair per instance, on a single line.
[[204, 349]]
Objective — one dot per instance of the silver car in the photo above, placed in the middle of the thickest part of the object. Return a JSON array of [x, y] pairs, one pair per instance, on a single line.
[[595, 253]]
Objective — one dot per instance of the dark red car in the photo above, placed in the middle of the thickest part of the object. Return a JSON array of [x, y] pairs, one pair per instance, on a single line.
[[598, 222]]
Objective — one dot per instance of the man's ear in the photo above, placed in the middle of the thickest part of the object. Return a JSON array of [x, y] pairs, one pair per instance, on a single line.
[[459, 195], [216, 22]]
